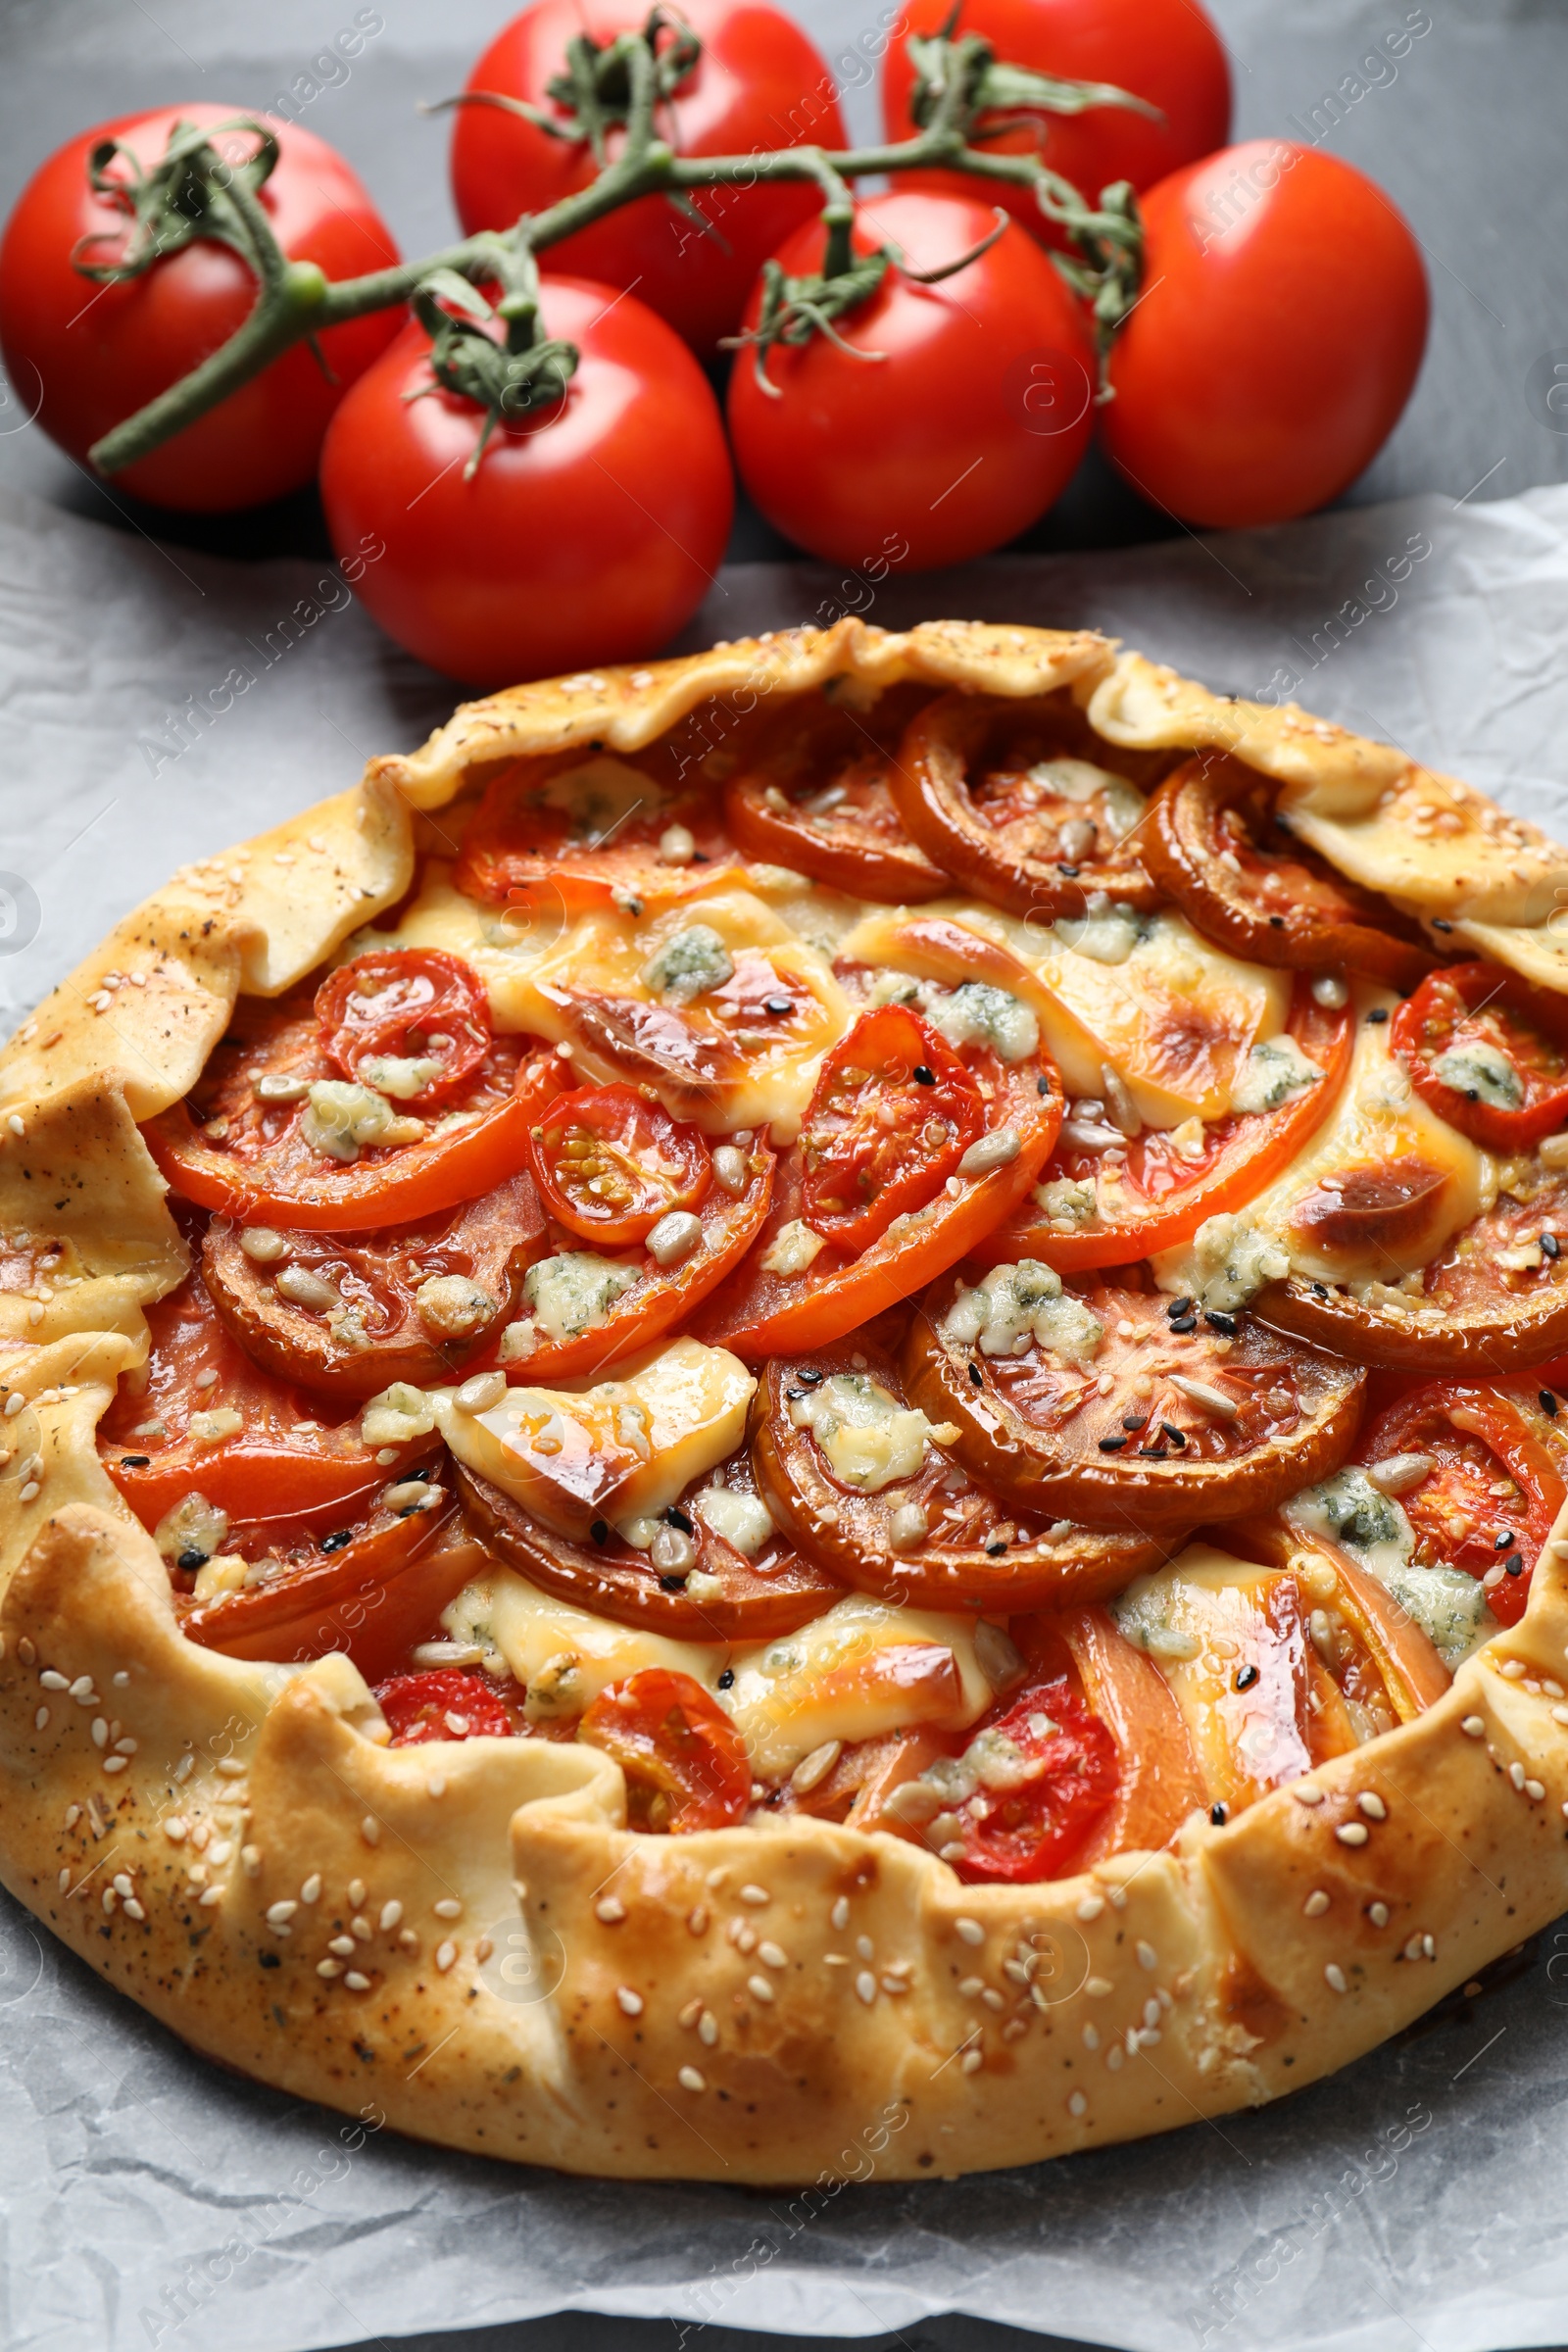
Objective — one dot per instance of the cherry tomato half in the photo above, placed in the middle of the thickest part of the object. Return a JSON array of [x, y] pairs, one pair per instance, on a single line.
[[1030, 1831], [576, 539], [685, 1765], [417, 1007], [1164, 51], [891, 1114], [958, 414], [1280, 330], [609, 1163], [757, 84], [91, 353], [444, 1703], [1488, 1052]]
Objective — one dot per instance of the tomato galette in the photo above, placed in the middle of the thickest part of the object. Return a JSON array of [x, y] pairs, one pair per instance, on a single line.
[[816, 1388]]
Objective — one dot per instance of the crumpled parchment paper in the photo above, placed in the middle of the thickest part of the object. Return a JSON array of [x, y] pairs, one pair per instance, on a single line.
[[155, 705]]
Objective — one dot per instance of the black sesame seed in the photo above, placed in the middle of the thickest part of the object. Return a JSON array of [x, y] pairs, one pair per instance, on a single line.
[[726, 1681], [1246, 1677], [700, 858], [1111, 1445], [600, 1531], [1549, 1405], [192, 1558], [975, 1375], [793, 1395], [1184, 1323], [1514, 1564], [1177, 1436], [1135, 1420], [1503, 1541], [778, 1004], [1218, 1816], [1378, 1012], [1549, 1245], [1225, 1324], [1071, 872], [344, 1535], [994, 1551], [1277, 922], [270, 1959], [139, 1461], [675, 1517], [811, 1377], [924, 1076], [1042, 1085], [1151, 1453], [1179, 1306], [1320, 1290], [672, 1583], [1438, 924]]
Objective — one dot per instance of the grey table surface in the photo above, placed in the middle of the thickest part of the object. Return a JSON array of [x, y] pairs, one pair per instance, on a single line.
[[1464, 136]]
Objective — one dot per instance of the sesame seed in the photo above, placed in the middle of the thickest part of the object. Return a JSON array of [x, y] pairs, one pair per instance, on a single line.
[[446, 1953], [1378, 1914], [696, 1922], [1091, 1907], [1473, 1725], [1077, 2104], [448, 1908], [250, 1859], [1372, 1806], [359, 1928], [610, 1908], [370, 1830], [29, 1493], [1352, 1833], [115, 1763], [755, 1895], [343, 1945], [1333, 1977], [690, 2079], [134, 1909], [1535, 1790], [357, 1893], [866, 1987], [329, 1968], [1512, 1669], [994, 1999], [99, 1732], [215, 1894], [1115, 2058], [760, 1989], [839, 1916], [1307, 1792], [1151, 2012], [1147, 1957], [278, 1913], [51, 1680], [971, 2061], [82, 1691], [309, 1893], [708, 2028], [391, 1915], [1429, 1947], [865, 1947], [1516, 1774], [1316, 1903], [40, 1719], [773, 1956], [63, 1880], [483, 1948], [1097, 1987], [971, 1929], [631, 2002], [435, 1785], [1091, 2037], [123, 1883], [354, 1981]]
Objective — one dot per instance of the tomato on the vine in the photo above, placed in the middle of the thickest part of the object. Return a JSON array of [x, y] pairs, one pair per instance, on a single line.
[[955, 417], [758, 83], [90, 354], [1279, 333], [1166, 52], [589, 529]]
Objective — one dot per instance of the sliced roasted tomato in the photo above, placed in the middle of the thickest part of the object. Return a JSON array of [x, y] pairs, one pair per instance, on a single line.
[[444, 1702], [1046, 1774], [1106, 1199], [797, 1291], [1110, 1406], [261, 1151], [1006, 796], [891, 1117], [350, 1316], [864, 1486], [582, 1310], [1479, 1474], [1492, 1300], [685, 1764], [199, 1419], [715, 1567], [815, 795], [1213, 844], [1371, 1665], [581, 829], [373, 1589], [611, 1163], [411, 1022], [1488, 1052], [1160, 1785]]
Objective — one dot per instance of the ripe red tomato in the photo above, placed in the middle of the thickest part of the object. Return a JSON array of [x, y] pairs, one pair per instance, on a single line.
[[413, 1004], [587, 533], [757, 84], [443, 1703], [893, 1114], [1281, 329], [610, 1165], [962, 431], [91, 355], [1167, 51]]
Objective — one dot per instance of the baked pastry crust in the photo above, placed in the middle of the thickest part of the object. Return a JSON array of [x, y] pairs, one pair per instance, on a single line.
[[526, 1978]]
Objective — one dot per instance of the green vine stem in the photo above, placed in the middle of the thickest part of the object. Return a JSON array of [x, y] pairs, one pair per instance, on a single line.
[[193, 192]]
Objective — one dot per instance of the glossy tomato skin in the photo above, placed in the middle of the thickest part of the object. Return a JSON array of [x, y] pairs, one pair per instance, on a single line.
[[1277, 341], [1167, 51], [91, 355], [963, 432], [758, 83], [588, 535]]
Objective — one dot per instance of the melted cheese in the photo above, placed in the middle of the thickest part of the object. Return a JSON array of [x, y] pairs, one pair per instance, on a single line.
[[620, 1449], [583, 1654]]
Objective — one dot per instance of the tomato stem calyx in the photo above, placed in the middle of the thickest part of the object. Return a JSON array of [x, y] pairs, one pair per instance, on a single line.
[[510, 381]]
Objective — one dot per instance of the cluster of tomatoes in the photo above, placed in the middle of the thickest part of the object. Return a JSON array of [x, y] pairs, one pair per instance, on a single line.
[[1279, 329]]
